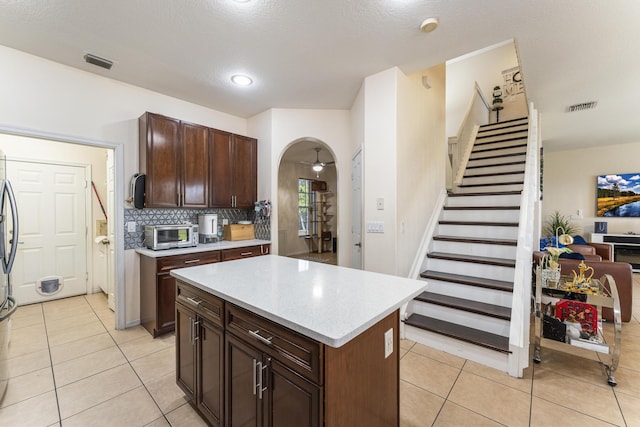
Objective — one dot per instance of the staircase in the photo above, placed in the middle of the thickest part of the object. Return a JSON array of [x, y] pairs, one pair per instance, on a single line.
[[471, 259]]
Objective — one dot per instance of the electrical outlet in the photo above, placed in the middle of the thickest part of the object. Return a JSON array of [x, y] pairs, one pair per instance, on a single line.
[[388, 343], [131, 227], [375, 226], [225, 221], [380, 204]]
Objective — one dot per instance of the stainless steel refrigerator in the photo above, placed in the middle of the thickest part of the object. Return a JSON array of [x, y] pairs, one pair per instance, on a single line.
[[8, 247]]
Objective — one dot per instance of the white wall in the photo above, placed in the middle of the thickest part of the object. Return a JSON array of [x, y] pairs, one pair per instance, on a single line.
[[570, 179], [44, 96], [485, 67]]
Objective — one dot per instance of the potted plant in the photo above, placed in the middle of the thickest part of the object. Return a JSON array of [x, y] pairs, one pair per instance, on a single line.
[[558, 222]]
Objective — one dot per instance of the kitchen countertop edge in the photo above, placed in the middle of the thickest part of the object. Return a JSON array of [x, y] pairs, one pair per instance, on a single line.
[[202, 247]]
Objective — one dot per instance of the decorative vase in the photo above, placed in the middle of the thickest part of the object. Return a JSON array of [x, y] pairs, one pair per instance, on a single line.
[[550, 277]]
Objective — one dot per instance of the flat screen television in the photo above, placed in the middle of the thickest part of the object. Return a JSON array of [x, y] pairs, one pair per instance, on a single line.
[[619, 195]]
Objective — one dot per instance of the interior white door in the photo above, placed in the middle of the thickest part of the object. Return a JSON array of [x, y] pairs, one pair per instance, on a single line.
[[356, 211], [52, 252], [111, 256]]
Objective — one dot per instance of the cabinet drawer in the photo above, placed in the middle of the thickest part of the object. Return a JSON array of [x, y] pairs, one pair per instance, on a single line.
[[246, 252], [299, 353], [187, 260], [206, 305]]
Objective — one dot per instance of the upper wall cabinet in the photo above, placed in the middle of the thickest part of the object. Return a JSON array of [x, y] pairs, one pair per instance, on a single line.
[[233, 172], [174, 156]]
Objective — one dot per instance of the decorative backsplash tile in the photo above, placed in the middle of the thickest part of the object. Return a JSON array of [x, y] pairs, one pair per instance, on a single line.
[[143, 217]]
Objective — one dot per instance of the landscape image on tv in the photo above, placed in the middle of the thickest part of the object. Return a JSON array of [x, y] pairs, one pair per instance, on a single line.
[[619, 195]]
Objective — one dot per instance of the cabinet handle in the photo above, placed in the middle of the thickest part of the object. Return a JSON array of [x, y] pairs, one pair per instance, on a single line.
[[196, 336], [255, 385], [191, 261], [194, 301], [257, 335], [261, 389], [191, 330], [246, 253]]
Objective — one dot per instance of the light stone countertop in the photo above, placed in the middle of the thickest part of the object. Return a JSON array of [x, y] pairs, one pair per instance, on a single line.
[[327, 303], [202, 247]]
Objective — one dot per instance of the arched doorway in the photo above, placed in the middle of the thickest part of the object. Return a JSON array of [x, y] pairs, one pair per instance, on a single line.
[[307, 202]]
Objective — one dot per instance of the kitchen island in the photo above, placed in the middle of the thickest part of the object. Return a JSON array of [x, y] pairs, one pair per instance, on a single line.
[[276, 341]]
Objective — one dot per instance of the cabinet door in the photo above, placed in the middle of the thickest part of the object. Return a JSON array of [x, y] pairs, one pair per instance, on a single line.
[[194, 189], [185, 351], [243, 407], [210, 371], [290, 400], [166, 299], [245, 173], [162, 161], [221, 169]]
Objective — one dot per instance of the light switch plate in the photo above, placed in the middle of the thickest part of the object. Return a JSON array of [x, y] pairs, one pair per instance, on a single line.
[[375, 226], [380, 204], [131, 227], [388, 343]]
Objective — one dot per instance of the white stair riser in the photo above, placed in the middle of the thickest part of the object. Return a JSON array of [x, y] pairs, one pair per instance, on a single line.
[[478, 231], [500, 138], [471, 269], [496, 215], [489, 189], [475, 293], [503, 127], [496, 153], [476, 249], [496, 147], [498, 161], [495, 169], [464, 318], [478, 354], [515, 128], [489, 200], [495, 179]]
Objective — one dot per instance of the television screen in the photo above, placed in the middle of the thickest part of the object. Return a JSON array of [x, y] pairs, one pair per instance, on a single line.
[[619, 195]]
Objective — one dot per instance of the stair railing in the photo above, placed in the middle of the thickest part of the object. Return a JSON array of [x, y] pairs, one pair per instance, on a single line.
[[460, 146], [521, 303]]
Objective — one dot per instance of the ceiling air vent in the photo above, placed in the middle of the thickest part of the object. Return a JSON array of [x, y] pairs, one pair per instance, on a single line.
[[96, 60], [581, 107]]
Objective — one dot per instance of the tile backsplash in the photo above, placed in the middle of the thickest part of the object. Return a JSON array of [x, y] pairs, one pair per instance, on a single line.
[[147, 216]]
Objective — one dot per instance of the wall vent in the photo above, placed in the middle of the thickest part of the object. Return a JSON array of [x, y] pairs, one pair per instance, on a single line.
[[96, 60], [583, 106]]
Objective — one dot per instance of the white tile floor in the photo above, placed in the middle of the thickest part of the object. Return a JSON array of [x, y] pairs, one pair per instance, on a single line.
[[70, 367]]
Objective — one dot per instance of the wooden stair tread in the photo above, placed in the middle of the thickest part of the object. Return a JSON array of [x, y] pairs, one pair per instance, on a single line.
[[500, 156], [484, 175], [470, 335], [490, 184], [491, 310], [473, 259], [480, 149], [482, 208], [509, 132], [480, 282], [480, 223], [519, 162], [489, 193], [481, 240], [508, 123]]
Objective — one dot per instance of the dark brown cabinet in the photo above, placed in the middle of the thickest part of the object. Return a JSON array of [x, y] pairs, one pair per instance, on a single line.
[[233, 173], [158, 288], [174, 156], [245, 252], [200, 351]]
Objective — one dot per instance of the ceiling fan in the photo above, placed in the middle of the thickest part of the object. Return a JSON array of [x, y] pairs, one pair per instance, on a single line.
[[317, 166]]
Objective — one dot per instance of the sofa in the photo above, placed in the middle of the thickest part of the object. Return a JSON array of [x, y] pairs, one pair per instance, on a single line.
[[594, 251], [601, 264]]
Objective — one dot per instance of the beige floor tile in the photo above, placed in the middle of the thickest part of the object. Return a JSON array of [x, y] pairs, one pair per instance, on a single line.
[[27, 386], [67, 307], [185, 416], [124, 335], [27, 340], [480, 395], [418, 407], [456, 415], [166, 393], [545, 413], [628, 381], [73, 334], [28, 315], [108, 318], [23, 414], [81, 347], [133, 408], [29, 362], [585, 397], [630, 407], [407, 344], [55, 327], [403, 352], [88, 365], [84, 394], [440, 356], [146, 345], [523, 384], [160, 422], [97, 301], [572, 366], [428, 374], [155, 365]]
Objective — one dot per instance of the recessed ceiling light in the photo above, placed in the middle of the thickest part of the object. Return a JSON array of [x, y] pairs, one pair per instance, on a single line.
[[429, 25], [241, 80]]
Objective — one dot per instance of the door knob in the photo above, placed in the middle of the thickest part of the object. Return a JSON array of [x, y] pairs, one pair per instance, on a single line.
[[358, 245]]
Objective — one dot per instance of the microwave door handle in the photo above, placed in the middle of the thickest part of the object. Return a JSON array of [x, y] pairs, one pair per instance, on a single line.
[[7, 265], [3, 259]]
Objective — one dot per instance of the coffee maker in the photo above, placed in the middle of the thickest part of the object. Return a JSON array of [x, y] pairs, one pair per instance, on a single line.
[[208, 228]]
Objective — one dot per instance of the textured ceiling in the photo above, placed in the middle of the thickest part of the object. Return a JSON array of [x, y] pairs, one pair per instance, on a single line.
[[315, 53]]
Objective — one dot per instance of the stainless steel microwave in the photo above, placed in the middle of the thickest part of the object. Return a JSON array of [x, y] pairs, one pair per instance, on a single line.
[[159, 237]]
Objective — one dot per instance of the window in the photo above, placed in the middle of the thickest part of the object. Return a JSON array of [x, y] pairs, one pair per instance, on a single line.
[[304, 206]]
